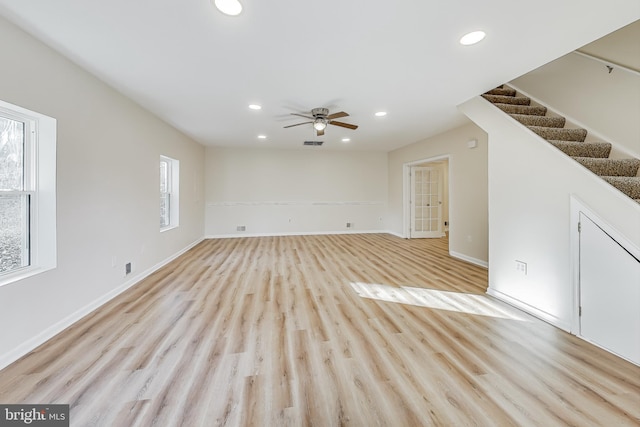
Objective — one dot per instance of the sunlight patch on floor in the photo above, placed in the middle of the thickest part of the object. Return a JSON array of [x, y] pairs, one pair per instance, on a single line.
[[481, 305]]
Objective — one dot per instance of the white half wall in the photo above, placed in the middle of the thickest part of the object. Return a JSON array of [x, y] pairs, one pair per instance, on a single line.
[[468, 222], [531, 184], [107, 192], [301, 191]]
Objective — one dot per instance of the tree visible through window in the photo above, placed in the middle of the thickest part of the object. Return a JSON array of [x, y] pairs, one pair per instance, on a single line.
[[15, 196], [169, 175]]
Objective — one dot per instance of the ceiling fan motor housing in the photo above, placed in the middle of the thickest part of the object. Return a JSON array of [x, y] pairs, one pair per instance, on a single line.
[[320, 112]]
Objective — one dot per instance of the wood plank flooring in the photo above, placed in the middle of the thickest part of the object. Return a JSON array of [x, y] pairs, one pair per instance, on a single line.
[[356, 330]]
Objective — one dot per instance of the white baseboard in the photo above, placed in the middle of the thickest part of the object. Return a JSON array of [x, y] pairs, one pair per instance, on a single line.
[[472, 260], [393, 233], [29, 345], [295, 233], [536, 312]]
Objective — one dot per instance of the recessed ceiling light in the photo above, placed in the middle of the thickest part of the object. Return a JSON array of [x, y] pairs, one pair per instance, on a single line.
[[255, 107], [229, 7], [472, 38], [381, 113], [346, 139], [262, 136]]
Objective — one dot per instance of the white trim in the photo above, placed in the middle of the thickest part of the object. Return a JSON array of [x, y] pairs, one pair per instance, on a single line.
[[540, 314], [608, 350], [469, 259], [297, 233], [294, 203], [29, 345], [393, 233]]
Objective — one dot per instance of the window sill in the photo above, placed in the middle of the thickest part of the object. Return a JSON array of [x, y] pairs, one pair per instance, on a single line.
[[21, 274]]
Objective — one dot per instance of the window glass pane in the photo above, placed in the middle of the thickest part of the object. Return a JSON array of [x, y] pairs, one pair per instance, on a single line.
[[11, 154], [14, 234], [164, 210], [164, 176]]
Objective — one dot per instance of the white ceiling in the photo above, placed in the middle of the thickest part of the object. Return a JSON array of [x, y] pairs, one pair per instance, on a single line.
[[199, 69]]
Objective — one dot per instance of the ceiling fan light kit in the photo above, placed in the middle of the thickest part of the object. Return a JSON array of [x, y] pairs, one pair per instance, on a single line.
[[320, 118], [319, 123]]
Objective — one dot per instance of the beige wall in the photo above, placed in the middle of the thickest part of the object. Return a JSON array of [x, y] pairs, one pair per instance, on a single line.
[[582, 90], [621, 47], [107, 191], [468, 230], [273, 191]]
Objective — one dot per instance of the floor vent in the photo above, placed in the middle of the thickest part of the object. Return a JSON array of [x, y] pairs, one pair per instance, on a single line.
[[314, 143]]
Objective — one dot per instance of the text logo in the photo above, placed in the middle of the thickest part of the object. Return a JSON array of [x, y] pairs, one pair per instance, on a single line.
[[34, 415]]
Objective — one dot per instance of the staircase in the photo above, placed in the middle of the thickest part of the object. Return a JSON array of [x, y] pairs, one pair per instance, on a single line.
[[621, 173]]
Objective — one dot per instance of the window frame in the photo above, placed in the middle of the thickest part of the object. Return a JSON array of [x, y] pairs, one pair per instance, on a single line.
[[172, 192], [39, 187]]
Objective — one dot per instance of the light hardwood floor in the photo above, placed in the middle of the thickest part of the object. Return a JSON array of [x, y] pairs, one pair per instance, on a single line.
[[360, 330]]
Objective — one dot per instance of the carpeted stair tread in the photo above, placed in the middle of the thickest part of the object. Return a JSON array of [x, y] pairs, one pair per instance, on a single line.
[[502, 91], [610, 167], [563, 134], [502, 99], [533, 120], [522, 109], [629, 185], [583, 149]]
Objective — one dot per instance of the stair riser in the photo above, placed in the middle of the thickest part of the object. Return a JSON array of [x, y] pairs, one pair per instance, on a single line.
[[562, 134], [551, 122]]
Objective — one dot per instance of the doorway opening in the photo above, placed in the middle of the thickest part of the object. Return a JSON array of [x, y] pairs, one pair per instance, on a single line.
[[426, 198]]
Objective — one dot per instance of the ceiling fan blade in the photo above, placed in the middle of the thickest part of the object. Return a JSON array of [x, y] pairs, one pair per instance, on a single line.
[[298, 124], [337, 115], [302, 115], [320, 132], [344, 125]]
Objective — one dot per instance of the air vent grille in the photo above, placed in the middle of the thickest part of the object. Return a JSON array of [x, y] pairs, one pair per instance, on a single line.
[[314, 143]]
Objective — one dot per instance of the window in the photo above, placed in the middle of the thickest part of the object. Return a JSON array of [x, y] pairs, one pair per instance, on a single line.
[[169, 192], [27, 193]]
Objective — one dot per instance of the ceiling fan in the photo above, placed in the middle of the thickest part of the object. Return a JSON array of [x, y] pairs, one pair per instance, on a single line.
[[321, 118]]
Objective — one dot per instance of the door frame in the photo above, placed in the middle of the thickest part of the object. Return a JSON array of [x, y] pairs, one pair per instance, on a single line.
[[406, 189]]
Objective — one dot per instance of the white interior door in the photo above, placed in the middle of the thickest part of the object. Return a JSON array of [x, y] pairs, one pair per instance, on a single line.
[[609, 292], [425, 202]]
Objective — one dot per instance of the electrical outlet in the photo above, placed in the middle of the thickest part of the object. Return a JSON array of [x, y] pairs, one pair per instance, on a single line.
[[349, 225], [127, 268], [521, 267], [241, 228]]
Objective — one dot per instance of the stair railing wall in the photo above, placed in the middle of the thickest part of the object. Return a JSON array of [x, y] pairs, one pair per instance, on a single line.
[[582, 89]]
